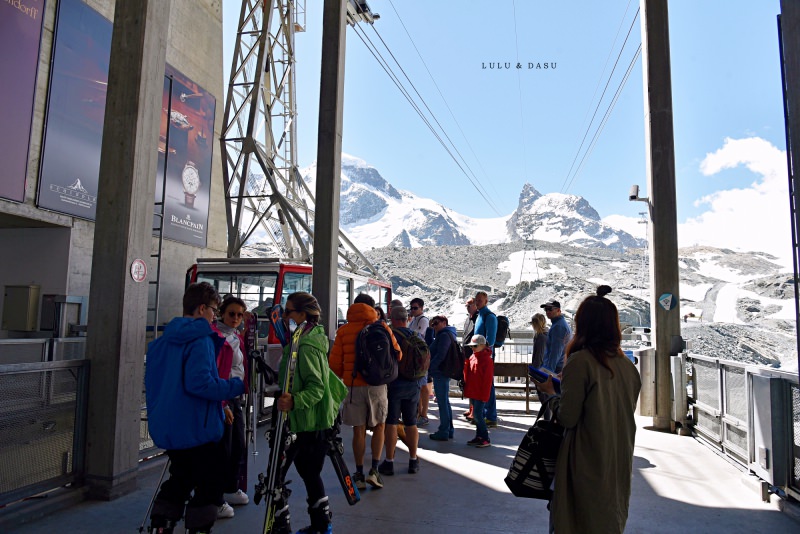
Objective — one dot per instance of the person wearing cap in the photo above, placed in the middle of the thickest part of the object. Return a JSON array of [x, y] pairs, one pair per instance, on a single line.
[[478, 379], [557, 340], [486, 325]]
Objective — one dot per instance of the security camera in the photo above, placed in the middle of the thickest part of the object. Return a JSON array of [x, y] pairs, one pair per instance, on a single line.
[[634, 194]]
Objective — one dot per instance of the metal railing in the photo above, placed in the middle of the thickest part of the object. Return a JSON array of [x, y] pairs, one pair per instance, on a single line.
[[42, 426], [752, 414]]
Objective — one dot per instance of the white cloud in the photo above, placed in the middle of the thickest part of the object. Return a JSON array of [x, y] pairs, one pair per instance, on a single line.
[[754, 218], [632, 225]]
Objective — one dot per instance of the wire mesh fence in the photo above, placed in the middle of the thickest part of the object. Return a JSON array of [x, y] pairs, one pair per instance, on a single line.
[[42, 426]]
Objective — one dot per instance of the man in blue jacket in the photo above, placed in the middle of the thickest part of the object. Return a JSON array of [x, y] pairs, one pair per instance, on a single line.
[[184, 408], [557, 340], [486, 325]]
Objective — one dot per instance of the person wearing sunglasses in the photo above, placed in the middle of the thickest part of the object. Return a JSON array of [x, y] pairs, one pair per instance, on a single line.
[[313, 405], [420, 325], [184, 407], [232, 362]]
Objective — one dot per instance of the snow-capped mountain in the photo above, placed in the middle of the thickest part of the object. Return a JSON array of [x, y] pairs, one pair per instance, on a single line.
[[564, 219], [374, 213]]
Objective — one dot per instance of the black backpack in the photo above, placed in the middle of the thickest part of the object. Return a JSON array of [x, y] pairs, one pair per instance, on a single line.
[[416, 356], [503, 331], [453, 364], [376, 359]]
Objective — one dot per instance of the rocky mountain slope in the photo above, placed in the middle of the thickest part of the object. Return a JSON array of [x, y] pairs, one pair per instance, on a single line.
[[737, 305]]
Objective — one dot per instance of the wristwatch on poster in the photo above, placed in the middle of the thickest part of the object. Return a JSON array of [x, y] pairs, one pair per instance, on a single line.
[[191, 183]]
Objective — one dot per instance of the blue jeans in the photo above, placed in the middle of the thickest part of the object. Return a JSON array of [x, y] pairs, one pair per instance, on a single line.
[[491, 406], [441, 387], [482, 431]]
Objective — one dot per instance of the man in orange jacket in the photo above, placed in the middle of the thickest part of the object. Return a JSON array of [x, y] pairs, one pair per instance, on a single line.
[[366, 406]]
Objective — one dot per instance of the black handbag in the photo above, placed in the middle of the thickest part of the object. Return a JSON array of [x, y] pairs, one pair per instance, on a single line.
[[532, 471]]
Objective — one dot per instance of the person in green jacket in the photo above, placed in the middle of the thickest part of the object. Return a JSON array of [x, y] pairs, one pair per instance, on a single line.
[[313, 404]]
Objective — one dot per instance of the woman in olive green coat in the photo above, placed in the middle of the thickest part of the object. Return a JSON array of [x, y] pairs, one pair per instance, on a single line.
[[599, 389], [313, 404]]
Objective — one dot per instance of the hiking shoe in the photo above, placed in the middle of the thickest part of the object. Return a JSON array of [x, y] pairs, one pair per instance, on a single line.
[[422, 421], [311, 530], [413, 466], [359, 480], [483, 443], [474, 442], [374, 479], [491, 424], [237, 499], [225, 511], [386, 468], [438, 437]]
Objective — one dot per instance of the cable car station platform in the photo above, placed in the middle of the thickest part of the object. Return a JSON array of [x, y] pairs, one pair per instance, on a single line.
[[679, 485]]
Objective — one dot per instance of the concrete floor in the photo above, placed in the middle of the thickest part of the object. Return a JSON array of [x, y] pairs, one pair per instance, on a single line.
[[679, 485]]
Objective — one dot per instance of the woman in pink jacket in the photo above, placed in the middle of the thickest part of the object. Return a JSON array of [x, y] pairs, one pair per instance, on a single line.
[[478, 377], [232, 361]]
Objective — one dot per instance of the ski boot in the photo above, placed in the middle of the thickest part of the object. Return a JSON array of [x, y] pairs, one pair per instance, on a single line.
[[164, 517], [161, 525], [320, 513]]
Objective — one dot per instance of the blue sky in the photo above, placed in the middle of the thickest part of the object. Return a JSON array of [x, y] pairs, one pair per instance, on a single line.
[[526, 125]]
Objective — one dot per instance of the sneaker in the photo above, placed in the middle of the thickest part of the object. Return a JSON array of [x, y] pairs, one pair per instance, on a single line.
[[491, 424], [386, 468], [483, 443], [359, 480], [374, 479], [474, 442], [438, 437], [237, 499], [310, 530], [422, 421], [413, 466], [225, 511]]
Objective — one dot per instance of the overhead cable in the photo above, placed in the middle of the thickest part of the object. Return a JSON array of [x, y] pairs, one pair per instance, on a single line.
[[567, 178], [389, 71]]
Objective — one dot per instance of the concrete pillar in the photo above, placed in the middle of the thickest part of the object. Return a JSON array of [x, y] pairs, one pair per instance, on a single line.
[[123, 233], [329, 161], [663, 232], [790, 47]]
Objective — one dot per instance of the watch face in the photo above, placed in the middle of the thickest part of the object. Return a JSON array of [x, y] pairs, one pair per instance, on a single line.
[[191, 178]]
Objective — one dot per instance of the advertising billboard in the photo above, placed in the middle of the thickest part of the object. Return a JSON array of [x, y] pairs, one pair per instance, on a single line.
[[70, 162], [20, 36], [185, 144]]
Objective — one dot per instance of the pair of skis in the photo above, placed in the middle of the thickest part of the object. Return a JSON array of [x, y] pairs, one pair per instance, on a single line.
[[273, 487]]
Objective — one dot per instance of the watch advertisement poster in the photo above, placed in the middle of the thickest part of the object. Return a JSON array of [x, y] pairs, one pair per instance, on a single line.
[[70, 163], [76, 105], [185, 149], [20, 37]]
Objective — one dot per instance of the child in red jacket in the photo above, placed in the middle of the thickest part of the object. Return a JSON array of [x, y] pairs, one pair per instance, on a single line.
[[478, 377]]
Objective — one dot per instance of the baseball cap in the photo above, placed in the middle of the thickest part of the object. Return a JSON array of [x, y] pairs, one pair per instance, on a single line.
[[552, 303], [477, 340]]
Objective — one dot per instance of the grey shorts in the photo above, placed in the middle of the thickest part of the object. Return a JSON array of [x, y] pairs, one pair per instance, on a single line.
[[365, 406]]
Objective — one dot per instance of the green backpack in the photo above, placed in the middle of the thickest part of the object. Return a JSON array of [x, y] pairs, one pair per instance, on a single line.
[[416, 356]]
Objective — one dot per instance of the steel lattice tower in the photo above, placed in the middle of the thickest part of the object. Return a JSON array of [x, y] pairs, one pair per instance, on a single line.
[[265, 195]]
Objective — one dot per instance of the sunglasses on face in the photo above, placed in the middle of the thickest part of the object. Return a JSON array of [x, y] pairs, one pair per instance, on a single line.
[[233, 314], [547, 309]]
